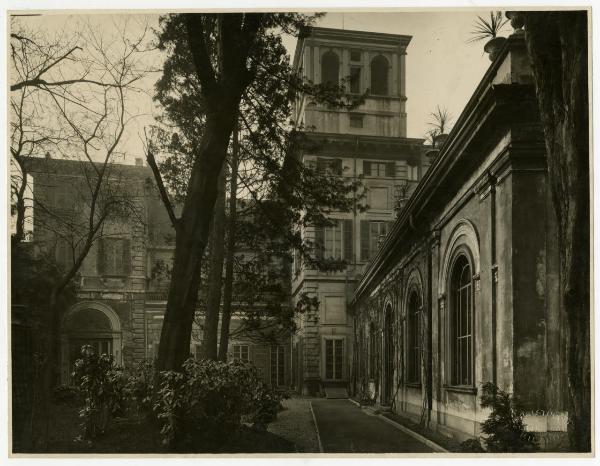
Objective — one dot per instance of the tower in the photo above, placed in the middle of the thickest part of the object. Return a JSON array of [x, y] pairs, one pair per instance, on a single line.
[[368, 142]]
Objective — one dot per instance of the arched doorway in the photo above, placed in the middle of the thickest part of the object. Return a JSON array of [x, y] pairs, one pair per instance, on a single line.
[[92, 324], [388, 356]]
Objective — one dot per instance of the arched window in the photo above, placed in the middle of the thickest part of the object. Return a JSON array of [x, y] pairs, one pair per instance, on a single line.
[[461, 322], [379, 75], [372, 351], [414, 338], [330, 69]]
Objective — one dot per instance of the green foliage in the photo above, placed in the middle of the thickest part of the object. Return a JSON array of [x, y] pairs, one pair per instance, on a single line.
[[103, 387], [208, 401], [504, 426]]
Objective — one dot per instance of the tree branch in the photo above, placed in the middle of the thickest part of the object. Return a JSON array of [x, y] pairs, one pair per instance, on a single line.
[[161, 188]]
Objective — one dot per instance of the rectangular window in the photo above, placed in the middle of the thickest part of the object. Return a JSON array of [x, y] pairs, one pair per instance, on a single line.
[[355, 72], [115, 256], [331, 166], [333, 241], [356, 121], [413, 172], [241, 353], [355, 55], [335, 310], [277, 366], [379, 169], [372, 234], [378, 232], [334, 358]]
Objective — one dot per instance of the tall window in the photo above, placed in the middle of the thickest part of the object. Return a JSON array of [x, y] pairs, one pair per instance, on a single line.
[[461, 321], [414, 338], [372, 350], [115, 256], [372, 234], [241, 353], [379, 75], [334, 358], [335, 242], [379, 231], [330, 69], [277, 366]]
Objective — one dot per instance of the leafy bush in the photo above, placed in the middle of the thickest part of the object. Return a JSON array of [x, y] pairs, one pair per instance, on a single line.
[[140, 387], [102, 385], [504, 426], [471, 445], [208, 401]]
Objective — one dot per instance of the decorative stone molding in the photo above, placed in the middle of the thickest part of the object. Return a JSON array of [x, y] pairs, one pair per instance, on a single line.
[[465, 236]]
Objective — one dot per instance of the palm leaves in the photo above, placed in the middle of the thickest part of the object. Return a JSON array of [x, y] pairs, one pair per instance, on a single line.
[[488, 29]]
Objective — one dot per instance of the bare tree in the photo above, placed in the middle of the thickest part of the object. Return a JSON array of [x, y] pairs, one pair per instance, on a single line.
[[82, 119]]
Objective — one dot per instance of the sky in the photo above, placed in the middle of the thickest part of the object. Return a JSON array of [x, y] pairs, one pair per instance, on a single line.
[[442, 68]]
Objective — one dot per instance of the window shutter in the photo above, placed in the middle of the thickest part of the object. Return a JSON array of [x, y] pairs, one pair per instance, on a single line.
[[101, 263], [364, 240], [366, 168], [348, 241], [390, 169], [319, 242], [126, 257]]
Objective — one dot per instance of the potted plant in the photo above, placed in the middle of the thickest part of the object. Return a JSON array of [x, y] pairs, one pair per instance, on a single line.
[[438, 132], [489, 29]]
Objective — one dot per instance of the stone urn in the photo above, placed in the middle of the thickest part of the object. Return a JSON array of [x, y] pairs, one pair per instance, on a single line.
[[493, 46]]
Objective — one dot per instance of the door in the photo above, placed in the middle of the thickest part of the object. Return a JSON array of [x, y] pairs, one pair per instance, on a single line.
[[334, 359]]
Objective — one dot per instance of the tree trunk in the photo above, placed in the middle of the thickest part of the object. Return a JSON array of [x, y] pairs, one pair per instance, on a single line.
[[557, 46], [215, 277], [231, 230], [191, 237]]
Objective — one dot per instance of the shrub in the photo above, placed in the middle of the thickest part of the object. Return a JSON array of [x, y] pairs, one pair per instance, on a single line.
[[102, 385], [471, 445], [140, 387], [504, 426], [202, 406]]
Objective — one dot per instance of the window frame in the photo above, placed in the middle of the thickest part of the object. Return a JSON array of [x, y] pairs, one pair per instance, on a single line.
[[414, 321], [324, 58], [279, 352], [335, 229], [342, 373], [241, 346], [455, 314], [387, 75]]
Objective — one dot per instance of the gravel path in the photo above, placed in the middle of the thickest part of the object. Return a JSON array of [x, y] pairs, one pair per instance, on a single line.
[[295, 423]]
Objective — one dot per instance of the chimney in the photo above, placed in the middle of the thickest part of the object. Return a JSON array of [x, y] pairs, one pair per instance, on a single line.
[[139, 162]]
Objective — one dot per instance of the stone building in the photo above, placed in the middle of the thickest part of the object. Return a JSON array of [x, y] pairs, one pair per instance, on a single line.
[[464, 290], [370, 143], [121, 293]]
